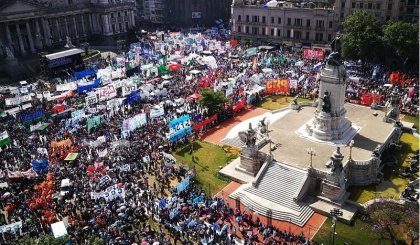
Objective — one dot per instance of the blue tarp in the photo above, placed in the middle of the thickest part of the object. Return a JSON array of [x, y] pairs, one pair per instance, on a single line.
[[88, 87], [40, 166], [31, 116], [85, 73]]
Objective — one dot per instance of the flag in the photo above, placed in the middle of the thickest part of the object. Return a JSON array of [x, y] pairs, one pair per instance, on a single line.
[[4, 139], [93, 122]]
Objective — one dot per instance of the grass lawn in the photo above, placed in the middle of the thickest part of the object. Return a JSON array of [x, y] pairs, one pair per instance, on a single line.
[[359, 232], [208, 158], [393, 185], [279, 102], [412, 119]]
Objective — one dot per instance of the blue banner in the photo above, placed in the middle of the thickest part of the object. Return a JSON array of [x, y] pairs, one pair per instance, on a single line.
[[183, 185], [40, 166], [179, 128], [133, 97], [85, 73], [83, 88], [198, 199], [179, 120], [31, 116]]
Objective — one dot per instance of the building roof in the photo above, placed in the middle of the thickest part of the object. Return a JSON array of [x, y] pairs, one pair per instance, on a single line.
[[64, 53]]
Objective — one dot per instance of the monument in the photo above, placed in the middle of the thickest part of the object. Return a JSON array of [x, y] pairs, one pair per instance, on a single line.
[[330, 121]]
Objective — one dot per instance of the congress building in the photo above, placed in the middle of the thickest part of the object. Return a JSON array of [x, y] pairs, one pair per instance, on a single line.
[[29, 26]]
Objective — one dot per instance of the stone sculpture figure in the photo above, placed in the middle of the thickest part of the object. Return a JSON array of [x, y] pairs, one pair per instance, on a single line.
[[326, 103], [249, 137], [262, 126], [334, 58], [336, 160], [68, 43]]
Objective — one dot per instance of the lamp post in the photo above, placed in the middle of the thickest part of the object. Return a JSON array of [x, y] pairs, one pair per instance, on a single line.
[[311, 152], [351, 147], [335, 213]]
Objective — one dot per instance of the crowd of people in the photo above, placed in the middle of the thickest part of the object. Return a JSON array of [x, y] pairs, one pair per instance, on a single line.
[[120, 178]]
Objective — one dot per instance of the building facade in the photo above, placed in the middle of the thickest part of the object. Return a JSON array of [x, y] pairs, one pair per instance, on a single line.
[[154, 11], [289, 23], [32, 26], [383, 10], [187, 13]]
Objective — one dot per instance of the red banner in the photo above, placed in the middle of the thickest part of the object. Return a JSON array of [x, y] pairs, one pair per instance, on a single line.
[[239, 105], [368, 98], [280, 85], [313, 54], [204, 123]]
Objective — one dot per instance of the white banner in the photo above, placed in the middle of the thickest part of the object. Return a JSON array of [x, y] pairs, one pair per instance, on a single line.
[[109, 194], [35, 127], [66, 87], [117, 102], [156, 112], [45, 94], [124, 168], [91, 99], [107, 92], [128, 88], [137, 121], [78, 114], [18, 100], [11, 227]]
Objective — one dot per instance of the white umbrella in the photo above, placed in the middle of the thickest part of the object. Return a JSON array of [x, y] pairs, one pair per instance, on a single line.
[[267, 70], [195, 72]]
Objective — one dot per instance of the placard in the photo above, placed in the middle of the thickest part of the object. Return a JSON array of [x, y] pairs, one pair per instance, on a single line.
[[107, 92], [91, 100], [280, 85]]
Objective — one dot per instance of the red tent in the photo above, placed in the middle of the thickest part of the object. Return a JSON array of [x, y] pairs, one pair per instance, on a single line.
[[195, 96]]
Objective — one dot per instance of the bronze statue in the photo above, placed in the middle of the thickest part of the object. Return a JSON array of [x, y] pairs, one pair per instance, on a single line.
[[334, 58], [249, 137], [326, 103]]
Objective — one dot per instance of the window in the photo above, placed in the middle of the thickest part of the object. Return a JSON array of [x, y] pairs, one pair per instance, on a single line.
[[389, 6], [239, 29], [126, 25], [113, 28], [278, 20], [247, 30], [125, 13], [329, 37], [388, 18], [288, 34], [255, 30], [308, 23], [341, 15], [272, 20], [320, 24], [272, 31], [278, 32], [255, 18], [298, 35], [378, 6], [298, 22], [360, 5], [319, 37], [239, 17], [289, 21], [330, 25], [263, 31], [353, 5], [247, 18], [343, 4], [263, 19], [307, 35], [119, 14], [369, 5], [112, 15]]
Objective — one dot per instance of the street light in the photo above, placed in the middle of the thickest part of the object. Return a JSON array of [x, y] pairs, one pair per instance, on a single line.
[[311, 152], [335, 213], [351, 147]]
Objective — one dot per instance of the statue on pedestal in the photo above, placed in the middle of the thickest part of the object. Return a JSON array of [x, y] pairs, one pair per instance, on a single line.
[[334, 58], [337, 162], [68, 43], [249, 137]]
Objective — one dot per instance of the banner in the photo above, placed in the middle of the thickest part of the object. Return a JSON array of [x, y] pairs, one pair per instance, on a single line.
[[135, 122], [313, 54], [13, 227], [250, 52], [17, 100], [239, 105], [156, 112], [133, 97], [105, 180], [183, 185], [368, 98], [128, 88], [107, 92], [75, 115], [85, 73], [66, 142], [179, 128], [204, 123], [32, 116], [280, 85], [66, 86], [86, 87], [20, 174], [4, 139], [91, 100], [93, 122]]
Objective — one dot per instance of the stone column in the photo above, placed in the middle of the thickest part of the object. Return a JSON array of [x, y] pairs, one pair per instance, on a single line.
[[22, 48], [58, 29], [67, 27], [31, 41], [133, 21], [47, 32], [105, 24], [92, 27], [83, 25], [9, 37], [38, 35], [75, 26]]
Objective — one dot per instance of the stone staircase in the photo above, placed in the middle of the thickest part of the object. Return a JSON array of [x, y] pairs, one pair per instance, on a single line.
[[274, 194], [236, 142]]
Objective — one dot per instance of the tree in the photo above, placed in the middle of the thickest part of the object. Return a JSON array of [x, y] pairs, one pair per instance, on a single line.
[[402, 39], [388, 215], [214, 101], [362, 37]]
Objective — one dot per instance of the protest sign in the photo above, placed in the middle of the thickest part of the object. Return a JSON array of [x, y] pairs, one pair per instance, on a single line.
[[66, 142], [128, 88], [66, 87], [313, 54], [107, 92], [105, 180], [11, 227], [179, 128], [17, 100], [156, 112], [280, 85], [93, 122], [133, 123], [78, 114], [91, 100]]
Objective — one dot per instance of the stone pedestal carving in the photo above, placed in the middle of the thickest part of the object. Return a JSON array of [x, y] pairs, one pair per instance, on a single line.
[[250, 157]]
